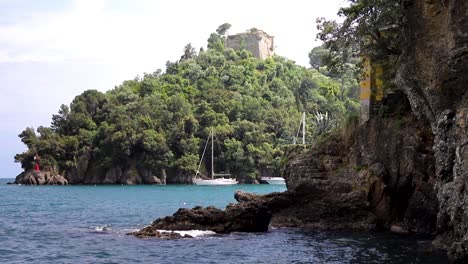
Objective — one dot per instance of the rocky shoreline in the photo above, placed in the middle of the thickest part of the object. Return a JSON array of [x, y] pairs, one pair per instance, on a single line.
[[116, 176], [40, 178]]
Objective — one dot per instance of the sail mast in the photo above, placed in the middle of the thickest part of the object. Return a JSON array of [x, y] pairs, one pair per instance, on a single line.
[[212, 156], [303, 127], [203, 155]]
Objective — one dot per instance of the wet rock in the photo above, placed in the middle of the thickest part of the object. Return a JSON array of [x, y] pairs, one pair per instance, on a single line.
[[167, 235], [399, 230], [241, 217]]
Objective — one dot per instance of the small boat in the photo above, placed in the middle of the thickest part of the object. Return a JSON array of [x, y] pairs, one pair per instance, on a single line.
[[199, 179], [274, 180]]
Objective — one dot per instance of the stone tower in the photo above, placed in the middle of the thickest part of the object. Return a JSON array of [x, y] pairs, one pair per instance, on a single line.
[[256, 41]]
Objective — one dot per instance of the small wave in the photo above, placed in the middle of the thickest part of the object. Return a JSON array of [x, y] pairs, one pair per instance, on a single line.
[[192, 233], [99, 229]]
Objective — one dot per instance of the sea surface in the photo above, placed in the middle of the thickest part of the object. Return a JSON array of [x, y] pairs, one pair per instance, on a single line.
[[88, 224]]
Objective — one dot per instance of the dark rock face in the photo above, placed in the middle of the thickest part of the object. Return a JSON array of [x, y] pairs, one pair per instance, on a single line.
[[383, 176], [323, 205], [434, 74], [87, 172]]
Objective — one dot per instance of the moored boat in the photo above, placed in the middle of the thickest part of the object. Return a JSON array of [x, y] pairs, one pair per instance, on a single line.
[[221, 180], [274, 180]]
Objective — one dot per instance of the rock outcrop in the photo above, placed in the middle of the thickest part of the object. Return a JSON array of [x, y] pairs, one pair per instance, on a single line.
[[327, 205], [383, 176], [40, 178], [249, 215]]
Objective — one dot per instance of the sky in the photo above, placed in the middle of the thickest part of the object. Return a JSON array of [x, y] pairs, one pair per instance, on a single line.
[[53, 50]]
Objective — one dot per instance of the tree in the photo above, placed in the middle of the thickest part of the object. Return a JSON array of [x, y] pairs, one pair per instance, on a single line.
[[189, 52], [316, 56], [28, 137], [364, 28], [59, 121], [216, 42], [223, 29]]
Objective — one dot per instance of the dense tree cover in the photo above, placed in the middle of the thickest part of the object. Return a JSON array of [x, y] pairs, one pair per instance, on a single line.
[[321, 59], [162, 120], [369, 27]]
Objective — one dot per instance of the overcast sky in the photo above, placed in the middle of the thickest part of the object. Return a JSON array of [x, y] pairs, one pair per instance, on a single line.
[[52, 50]]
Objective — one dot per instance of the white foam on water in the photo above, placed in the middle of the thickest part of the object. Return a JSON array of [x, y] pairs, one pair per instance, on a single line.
[[192, 233], [129, 230], [104, 228]]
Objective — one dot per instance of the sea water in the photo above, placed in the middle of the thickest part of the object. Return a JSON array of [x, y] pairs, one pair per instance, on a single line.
[[88, 224]]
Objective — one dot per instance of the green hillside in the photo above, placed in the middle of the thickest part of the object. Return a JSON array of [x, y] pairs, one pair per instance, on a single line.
[[162, 120]]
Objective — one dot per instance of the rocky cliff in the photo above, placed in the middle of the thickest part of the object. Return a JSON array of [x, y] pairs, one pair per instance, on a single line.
[[433, 72], [385, 166], [411, 166]]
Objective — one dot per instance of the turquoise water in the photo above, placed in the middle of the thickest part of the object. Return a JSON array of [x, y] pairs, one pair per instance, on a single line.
[[62, 224]]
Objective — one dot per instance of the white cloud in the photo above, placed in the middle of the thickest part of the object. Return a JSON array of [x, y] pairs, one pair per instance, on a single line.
[[90, 29]]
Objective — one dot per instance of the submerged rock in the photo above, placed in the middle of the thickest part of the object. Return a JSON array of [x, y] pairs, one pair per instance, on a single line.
[[169, 235]]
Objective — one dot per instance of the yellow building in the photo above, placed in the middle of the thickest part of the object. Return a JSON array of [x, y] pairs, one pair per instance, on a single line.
[[371, 87]]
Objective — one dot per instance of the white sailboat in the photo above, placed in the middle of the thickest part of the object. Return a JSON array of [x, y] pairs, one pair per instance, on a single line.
[[274, 180], [280, 180], [220, 180]]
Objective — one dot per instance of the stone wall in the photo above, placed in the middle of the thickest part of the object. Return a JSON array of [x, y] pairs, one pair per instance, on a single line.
[[258, 42]]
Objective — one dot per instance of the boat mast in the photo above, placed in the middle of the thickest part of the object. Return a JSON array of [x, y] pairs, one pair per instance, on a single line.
[[212, 156], [303, 127], [203, 155]]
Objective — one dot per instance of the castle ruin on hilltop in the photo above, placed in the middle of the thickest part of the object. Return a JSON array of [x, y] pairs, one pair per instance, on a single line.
[[256, 41]]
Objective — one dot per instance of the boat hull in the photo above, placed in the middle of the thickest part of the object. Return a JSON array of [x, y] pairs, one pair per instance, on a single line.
[[219, 181], [274, 180]]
